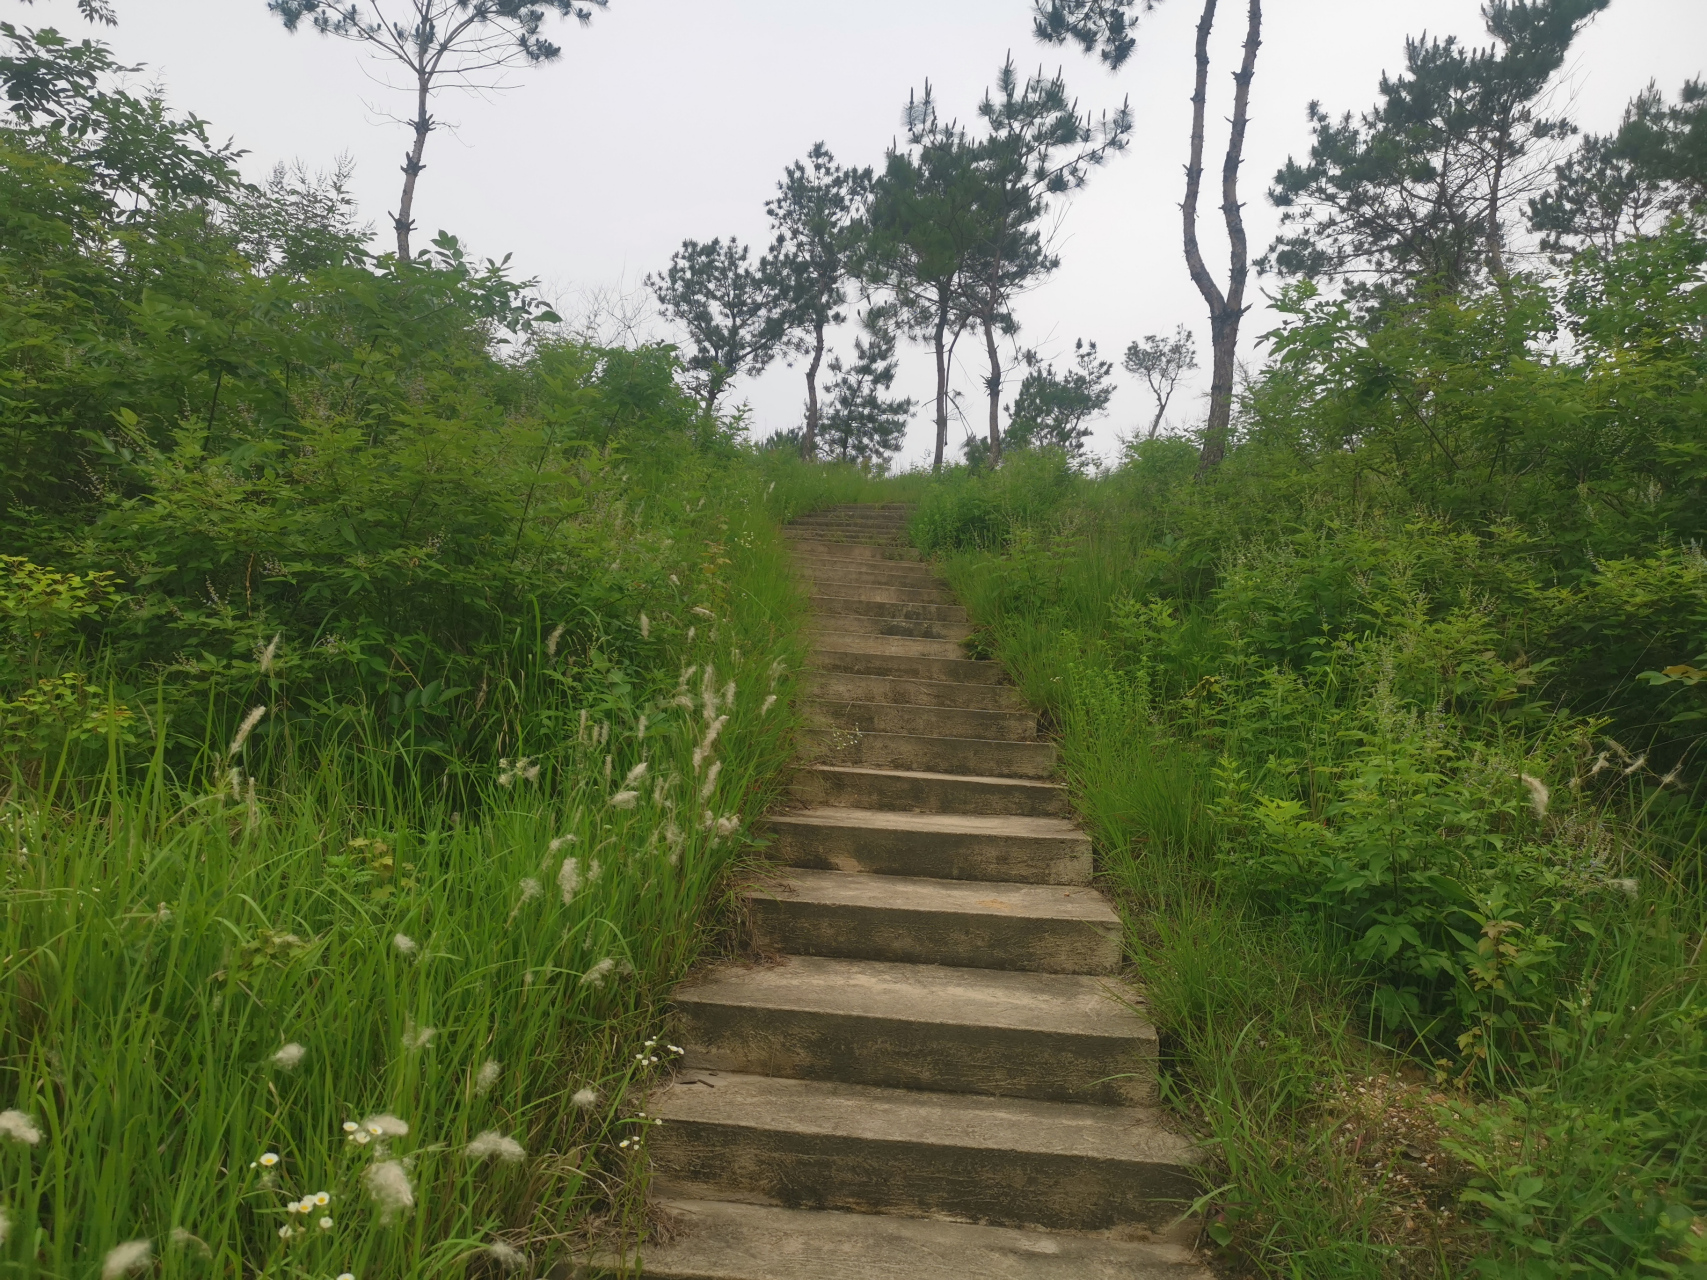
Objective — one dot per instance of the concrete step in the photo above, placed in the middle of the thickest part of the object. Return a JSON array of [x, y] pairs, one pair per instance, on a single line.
[[847, 641], [941, 846], [1001, 1161], [883, 524], [816, 562], [833, 687], [879, 591], [909, 791], [900, 666], [727, 1240], [964, 923], [1060, 1037], [949, 722], [854, 624], [975, 756], [825, 604]]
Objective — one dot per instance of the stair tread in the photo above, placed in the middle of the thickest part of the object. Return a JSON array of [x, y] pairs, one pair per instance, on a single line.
[[876, 1114], [1022, 784], [957, 897], [1069, 1004], [725, 1240], [941, 823]]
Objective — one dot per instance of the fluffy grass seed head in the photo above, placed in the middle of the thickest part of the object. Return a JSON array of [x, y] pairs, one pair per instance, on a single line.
[[529, 889], [492, 1144], [506, 1256], [585, 1098], [5, 1226], [290, 1057], [711, 780], [569, 879], [595, 977], [635, 774], [486, 1078], [560, 844], [1539, 795], [243, 732], [18, 1127], [265, 656], [767, 704], [126, 1259], [404, 944], [553, 638], [729, 825], [388, 1184], [645, 627], [625, 799], [415, 1038], [386, 1125]]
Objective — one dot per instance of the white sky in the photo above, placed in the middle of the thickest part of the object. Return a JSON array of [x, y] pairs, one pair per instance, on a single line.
[[674, 118]]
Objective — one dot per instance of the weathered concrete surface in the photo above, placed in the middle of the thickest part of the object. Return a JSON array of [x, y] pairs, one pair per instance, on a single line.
[[1060, 1037], [942, 846], [919, 791], [810, 1144], [968, 924]]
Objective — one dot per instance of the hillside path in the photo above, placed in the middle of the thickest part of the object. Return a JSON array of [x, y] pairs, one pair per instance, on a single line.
[[937, 1070]]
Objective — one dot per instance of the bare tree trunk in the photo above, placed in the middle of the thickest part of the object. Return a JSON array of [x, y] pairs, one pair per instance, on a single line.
[[995, 393], [1156, 423], [404, 222], [1225, 310], [809, 442], [941, 380], [1495, 231]]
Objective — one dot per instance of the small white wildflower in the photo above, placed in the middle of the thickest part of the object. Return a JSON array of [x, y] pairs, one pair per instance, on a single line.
[[243, 732], [17, 1126], [595, 977], [767, 704], [645, 627], [558, 845], [711, 780], [404, 943], [624, 799], [285, 1233], [325, 1224], [126, 1259], [350, 1126], [505, 1256], [268, 1159], [386, 1125], [290, 1057], [322, 1198], [361, 1137], [346, 1275], [493, 1143], [486, 1077], [638, 772], [1538, 794], [388, 1184], [569, 879], [585, 1097]]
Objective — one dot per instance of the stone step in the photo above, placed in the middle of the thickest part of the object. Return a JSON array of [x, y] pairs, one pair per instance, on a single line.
[[847, 641], [853, 624], [940, 846], [948, 722], [835, 687], [816, 562], [1060, 1037], [964, 923], [980, 757], [881, 591], [1000, 1161], [826, 604], [909, 791], [896, 525], [727, 1240], [900, 666]]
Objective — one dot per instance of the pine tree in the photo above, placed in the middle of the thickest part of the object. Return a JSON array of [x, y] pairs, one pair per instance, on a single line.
[[729, 309], [1162, 362], [861, 422], [1051, 409], [440, 44]]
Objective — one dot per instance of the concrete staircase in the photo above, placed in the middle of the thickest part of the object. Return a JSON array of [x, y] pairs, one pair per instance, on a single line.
[[937, 1072]]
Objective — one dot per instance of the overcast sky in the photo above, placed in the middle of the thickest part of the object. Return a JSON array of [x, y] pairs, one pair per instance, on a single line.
[[673, 118]]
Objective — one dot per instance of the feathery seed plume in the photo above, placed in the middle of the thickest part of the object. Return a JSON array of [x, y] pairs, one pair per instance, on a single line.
[[17, 1126], [1538, 794], [486, 1077], [386, 1125], [404, 944], [505, 1255], [1634, 765], [559, 844], [126, 1259], [607, 767], [388, 1184], [585, 1097], [703, 612], [581, 732], [595, 977], [691, 630], [290, 1057], [417, 1037], [711, 732], [728, 698], [5, 1226], [569, 879], [553, 638], [711, 780], [492, 1143], [729, 826], [624, 799], [769, 702], [1629, 887], [593, 869], [645, 627], [243, 732], [635, 774], [529, 889], [640, 728], [265, 656], [184, 1239]]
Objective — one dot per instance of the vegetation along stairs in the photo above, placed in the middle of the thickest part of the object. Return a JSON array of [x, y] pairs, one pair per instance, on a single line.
[[936, 1071]]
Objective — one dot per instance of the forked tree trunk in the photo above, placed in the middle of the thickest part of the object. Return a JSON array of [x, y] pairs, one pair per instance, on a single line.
[[995, 394], [1227, 309], [809, 441]]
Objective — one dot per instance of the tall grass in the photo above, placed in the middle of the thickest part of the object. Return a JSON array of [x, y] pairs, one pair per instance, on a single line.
[[211, 965]]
